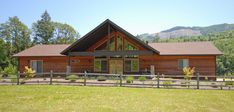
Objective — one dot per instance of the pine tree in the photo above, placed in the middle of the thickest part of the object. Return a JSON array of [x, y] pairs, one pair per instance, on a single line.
[[43, 29]]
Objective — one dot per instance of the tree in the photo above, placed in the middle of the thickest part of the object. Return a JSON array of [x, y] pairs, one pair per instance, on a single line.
[[64, 34], [43, 29], [4, 60], [16, 35], [156, 39]]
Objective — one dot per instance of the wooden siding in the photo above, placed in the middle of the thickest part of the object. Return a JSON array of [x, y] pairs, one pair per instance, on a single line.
[[59, 64], [205, 65]]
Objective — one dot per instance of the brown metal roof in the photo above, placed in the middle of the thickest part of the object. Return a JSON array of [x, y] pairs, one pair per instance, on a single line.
[[186, 48], [43, 50]]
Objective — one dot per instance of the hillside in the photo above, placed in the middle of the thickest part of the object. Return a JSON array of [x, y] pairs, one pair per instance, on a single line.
[[181, 31]]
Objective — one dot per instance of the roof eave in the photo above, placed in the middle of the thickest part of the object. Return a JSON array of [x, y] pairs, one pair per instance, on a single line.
[[190, 54]]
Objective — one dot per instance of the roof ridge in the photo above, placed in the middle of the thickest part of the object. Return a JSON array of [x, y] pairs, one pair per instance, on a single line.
[[181, 42]]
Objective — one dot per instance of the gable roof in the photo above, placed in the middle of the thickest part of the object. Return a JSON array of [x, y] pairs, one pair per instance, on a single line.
[[99, 32], [42, 50], [186, 48]]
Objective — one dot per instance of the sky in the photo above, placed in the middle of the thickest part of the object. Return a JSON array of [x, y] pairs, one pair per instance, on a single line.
[[135, 16]]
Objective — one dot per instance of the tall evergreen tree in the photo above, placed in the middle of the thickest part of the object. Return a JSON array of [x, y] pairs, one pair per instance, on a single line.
[[43, 29]]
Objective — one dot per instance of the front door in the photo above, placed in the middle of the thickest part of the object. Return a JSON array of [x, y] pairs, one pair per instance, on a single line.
[[115, 66]]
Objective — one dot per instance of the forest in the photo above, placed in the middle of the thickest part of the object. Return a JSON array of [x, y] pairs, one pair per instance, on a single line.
[[15, 36]]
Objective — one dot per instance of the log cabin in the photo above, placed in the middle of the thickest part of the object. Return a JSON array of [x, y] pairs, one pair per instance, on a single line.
[[109, 48]]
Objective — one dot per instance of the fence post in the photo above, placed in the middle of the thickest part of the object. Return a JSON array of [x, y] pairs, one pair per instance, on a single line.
[[18, 77], [222, 83], [85, 74], [120, 79], [198, 79], [158, 80], [51, 76]]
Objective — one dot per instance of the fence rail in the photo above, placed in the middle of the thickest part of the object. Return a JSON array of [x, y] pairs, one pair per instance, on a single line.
[[197, 81]]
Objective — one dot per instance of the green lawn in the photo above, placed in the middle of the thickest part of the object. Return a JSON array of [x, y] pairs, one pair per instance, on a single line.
[[112, 99]]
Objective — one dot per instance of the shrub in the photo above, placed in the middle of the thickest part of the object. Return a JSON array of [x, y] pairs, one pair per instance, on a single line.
[[72, 78], [188, 72], [142, 78], [214, 85], [28, 72], [229, 83], [101, 78], [167, 84], [10, 70], [129, 79]]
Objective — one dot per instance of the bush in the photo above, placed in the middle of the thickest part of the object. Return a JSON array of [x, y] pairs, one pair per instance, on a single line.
[[229, 83], [214, 85], [10, 70], [129, 79], [28, 72], [167, 84], [188, 72], [142, 78], [101, 78], [72, 78]]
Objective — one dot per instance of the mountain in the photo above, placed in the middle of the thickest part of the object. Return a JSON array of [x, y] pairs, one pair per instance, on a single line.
[[181, 31]]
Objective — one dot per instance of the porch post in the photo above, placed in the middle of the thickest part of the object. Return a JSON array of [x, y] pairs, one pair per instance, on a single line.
[[68, 66]]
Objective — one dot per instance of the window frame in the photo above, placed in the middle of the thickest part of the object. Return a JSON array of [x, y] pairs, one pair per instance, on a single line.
[[183, 60], [122, 42], [132, 59], [100, 59], [31, 61], [127, 42]]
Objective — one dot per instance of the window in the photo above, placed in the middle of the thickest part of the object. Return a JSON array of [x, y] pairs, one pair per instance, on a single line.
[[129, 46], [112, 44], [131, 65], [100, 65], [119, 43], [37, 65], [183, 63]]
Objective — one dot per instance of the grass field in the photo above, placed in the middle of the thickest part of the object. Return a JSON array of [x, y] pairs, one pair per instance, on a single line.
[[112, 99]]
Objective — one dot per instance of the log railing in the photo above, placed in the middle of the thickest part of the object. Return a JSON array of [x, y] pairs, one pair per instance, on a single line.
[[198, 81]]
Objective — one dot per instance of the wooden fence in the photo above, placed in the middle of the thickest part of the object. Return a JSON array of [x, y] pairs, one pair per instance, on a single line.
[[198, 81]]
